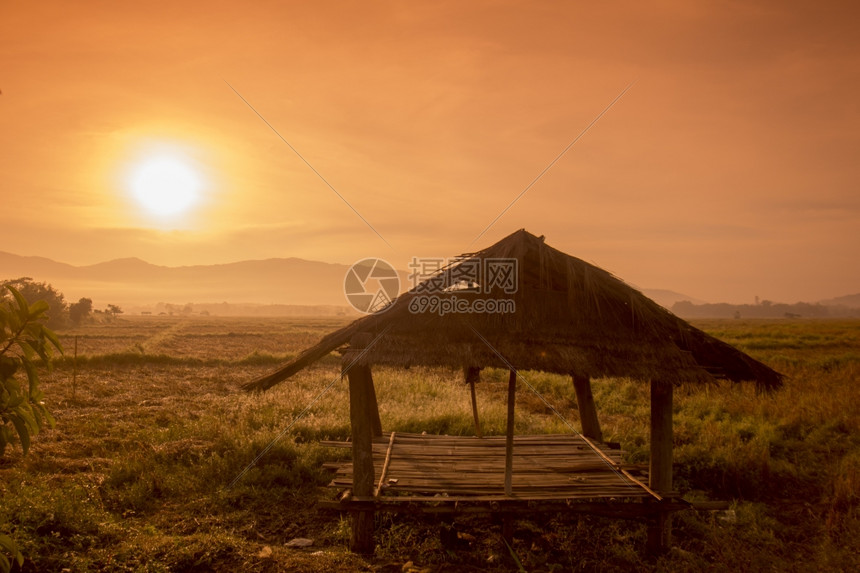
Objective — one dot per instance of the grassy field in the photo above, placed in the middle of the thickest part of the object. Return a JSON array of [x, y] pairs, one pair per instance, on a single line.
[[150, 465]]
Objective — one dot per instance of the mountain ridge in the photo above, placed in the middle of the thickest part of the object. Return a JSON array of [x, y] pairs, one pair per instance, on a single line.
[[132, 280], [289, 280]]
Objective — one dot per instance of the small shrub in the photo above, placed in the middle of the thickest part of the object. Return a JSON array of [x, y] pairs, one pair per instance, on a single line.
[[24, 339]]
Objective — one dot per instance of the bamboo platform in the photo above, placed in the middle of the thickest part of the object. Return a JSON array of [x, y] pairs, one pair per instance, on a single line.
[[549, 471]]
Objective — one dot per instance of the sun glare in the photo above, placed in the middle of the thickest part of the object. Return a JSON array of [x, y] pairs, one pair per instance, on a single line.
[[165, 186]]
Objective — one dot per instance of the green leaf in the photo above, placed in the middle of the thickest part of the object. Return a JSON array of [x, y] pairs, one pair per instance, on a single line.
[[23, 307], [8, 544], [26, 415], [38, 308], [13, 322], [23, 433], [33, 330], [48, 417], [36, 395], [40, 414], [32, 376], [36, 340], [14, 388], [29, 351], [53, 339]]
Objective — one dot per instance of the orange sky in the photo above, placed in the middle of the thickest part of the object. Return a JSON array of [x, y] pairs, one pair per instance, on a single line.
[[729, 170]]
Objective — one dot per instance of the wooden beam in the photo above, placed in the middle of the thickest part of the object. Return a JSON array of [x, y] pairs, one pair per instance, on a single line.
[[471, 505], [362, 421], [660, 467], [587, 409], [473, 375], [509, 435], [385, 465], [618, 467], [309, 356]]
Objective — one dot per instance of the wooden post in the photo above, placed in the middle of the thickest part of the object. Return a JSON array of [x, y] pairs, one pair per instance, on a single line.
[[361, 417], [75, 370], [473, 375], [660, 472], [359, 342], [587, 410], [509, 436], [372, 404]]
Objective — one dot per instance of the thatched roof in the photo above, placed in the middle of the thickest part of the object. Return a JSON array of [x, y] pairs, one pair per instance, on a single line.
[[570, 317]]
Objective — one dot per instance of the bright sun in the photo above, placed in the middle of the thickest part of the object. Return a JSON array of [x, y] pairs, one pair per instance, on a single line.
[[165, 186]]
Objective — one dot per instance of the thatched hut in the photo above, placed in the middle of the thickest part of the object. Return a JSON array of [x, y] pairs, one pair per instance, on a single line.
[[523, 305]]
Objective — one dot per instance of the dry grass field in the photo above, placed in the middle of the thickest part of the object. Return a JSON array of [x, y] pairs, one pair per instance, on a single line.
[[140, 473]]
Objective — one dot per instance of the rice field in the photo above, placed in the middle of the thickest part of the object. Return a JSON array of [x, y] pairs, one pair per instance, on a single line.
[[154, 462]]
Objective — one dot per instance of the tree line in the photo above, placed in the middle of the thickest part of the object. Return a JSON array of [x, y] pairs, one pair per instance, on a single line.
[[764, 309], [60, 313]]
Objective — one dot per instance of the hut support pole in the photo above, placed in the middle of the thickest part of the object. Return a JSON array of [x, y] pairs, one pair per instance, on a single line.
[[362, 406], [587, 410], [660, 472], [509, 436], [473, 374], [358, 343], [372, 404]]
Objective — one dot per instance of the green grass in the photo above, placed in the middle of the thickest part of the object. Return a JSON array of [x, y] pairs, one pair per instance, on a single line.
[[137, 474]]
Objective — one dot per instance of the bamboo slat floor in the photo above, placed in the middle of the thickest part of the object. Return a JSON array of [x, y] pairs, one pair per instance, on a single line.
[[545, 467]]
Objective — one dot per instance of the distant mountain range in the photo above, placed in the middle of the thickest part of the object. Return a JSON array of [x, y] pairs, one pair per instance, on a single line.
[[133, 281], [280, 281]]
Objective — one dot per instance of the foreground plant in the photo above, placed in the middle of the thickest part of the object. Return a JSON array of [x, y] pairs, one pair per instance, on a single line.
[[7, 545], [24, 340]]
